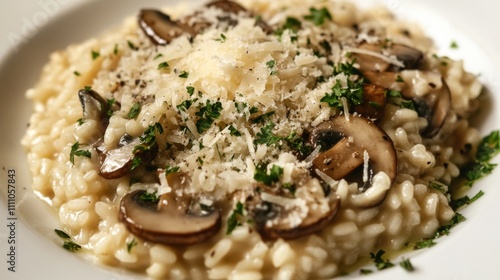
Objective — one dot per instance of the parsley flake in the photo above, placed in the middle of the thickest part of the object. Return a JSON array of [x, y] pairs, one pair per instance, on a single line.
[[271, 65], [454, 45], [488, 147], [190, 90], [134, 111], [465, 200], [380, 263], [207, 115], [62, 234], [268, 179], [131, 244], [233, 221], [399, 79], [132, 46], [318, 17], [184, 75], [406, 264], [71, 246], [262, 118], [353, 93], [115, 49], [171, 169], [149, 197], [79, 153], [76, 73], [233, 131], [222, 38], [95, 55], [266, 136], [80, 121], [163, 65]]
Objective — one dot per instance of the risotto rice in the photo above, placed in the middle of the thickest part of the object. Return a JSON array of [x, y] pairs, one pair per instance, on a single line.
[[222, 126]]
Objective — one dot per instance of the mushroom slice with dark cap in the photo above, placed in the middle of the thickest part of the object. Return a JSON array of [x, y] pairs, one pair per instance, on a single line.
[[374, 101], [169, 219], [235, 8], [160, 29], [116, 163], [432, 100], [276, 216], [394, 57], [359, 143]]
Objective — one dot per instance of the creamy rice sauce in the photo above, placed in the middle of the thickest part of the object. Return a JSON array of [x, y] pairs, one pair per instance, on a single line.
[[209, 154]]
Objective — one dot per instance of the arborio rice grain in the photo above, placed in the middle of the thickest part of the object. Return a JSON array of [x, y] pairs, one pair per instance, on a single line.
[[248, 78]]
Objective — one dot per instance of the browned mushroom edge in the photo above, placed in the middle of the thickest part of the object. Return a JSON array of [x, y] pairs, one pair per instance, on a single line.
[[95, 107], [343, 145], [161, 29], [368, 58], [434, 106], [168, 219], [273, 220]]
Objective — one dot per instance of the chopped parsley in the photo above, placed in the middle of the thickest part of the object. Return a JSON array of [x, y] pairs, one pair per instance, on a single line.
[[439, 187], [62, 234], [266, 136], [71, 246], [157, 56], [190, 90], [80, 121], [131, 244], [407, 104], [134, 111], [318, 17], [95, 55], [171, 169], [465, 200], [115, 49], [365, 271], [488, 147], [79, 153], [136, 162], [290, 187], [424, 243], [443, 230], [76, 73], [233, 221], [347, 69], [184, 74], [110, 103], [271, 65], [262, 118], [268, 179], [353, 93], [233, 131], [406, 264], [207, 115], [394, 93], [68, 244], [380, 263], [454, 45], [399, 79], [132, 46], [291, 24], [297, 144], [186, 104], [149, 197], [222, 38], [476, 171], [163, 65]]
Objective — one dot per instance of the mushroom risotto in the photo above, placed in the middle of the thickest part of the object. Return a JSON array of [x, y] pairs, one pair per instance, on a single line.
[[265, 139]]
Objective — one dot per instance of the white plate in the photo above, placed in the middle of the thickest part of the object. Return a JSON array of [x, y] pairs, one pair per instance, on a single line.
[[30, 30]]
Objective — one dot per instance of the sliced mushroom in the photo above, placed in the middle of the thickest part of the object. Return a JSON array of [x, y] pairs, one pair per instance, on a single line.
[[235, 8], [394, 57], [357, 136], [93, 105], [117, 163], [160, 29], [167, 221], [428, 90], [374, 100], [277, 216]]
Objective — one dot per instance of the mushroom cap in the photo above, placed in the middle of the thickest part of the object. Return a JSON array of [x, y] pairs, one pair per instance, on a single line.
[[371, 59], [314, 222], [275, 215], [358, 135], [160, 29], [432, 99], [167, 221]]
